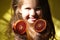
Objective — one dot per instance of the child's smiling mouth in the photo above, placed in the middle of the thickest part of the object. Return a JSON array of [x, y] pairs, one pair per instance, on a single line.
[[31, 20]]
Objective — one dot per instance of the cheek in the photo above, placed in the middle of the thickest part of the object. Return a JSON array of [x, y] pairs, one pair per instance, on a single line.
[[25, 14], [39, 12]]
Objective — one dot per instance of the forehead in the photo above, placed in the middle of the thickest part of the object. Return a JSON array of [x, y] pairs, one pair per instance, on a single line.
[[30, 2]]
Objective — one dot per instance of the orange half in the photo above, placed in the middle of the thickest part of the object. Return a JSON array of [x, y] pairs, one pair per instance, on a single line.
[[20, 27], [40, 25]]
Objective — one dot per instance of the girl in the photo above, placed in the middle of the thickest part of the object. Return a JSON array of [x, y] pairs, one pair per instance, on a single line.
[[30, 11]]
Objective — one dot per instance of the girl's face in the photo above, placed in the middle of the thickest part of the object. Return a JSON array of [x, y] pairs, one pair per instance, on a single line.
[[30, 11]]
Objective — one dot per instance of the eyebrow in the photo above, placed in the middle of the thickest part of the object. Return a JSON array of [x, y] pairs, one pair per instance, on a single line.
[[38, 7]]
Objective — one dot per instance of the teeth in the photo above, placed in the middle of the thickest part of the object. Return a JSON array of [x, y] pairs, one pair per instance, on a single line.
[[32, 19]]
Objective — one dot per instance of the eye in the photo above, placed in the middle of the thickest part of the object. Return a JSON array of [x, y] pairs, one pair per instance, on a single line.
[[28, 8]]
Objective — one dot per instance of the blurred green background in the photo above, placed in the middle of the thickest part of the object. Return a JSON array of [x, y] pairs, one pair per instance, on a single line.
[[5, 15]]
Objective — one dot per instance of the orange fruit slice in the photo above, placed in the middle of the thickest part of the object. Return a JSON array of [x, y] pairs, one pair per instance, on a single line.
[[20, 27], [40, 25]]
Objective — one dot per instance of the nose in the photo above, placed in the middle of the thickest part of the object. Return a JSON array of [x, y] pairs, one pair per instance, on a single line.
[[32, 12]]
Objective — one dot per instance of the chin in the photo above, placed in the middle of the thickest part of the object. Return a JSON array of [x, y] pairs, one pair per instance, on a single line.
[[31, 22]]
